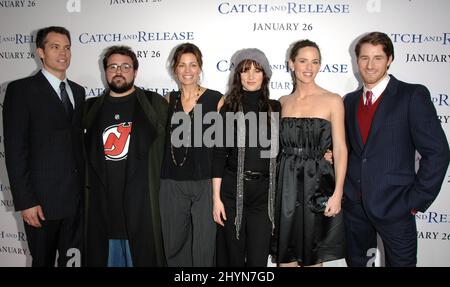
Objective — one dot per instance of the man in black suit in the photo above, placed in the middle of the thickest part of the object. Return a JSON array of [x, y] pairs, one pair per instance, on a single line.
[[387, 121], [42, 117]]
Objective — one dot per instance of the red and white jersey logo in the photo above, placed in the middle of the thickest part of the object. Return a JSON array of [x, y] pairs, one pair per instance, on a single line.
[[116, 141]]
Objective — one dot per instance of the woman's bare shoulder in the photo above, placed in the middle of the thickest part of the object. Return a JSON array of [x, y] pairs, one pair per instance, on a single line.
[[284, 98], [330, 96]]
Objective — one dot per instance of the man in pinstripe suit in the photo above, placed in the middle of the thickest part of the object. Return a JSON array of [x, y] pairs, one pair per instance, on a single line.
[[43, 148], [387, 121]]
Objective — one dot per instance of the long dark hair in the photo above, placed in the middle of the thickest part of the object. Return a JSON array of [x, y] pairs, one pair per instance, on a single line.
[[293, 54], [186, 48], [234, 96]]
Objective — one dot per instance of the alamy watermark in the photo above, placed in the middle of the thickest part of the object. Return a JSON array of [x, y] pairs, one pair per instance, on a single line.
[[224, 128]]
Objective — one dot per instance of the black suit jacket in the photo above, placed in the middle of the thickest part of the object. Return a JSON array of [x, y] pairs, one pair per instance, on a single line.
[[43, 149], [381, 173]]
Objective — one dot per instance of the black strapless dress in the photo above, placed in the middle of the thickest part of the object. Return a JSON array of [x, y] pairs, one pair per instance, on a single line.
[[302, 232]]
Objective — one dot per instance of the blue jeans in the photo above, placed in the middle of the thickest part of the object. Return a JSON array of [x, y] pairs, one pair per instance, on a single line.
[[119, 253]]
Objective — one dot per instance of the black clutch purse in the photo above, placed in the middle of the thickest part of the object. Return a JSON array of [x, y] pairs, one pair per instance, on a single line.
[[318, 201]]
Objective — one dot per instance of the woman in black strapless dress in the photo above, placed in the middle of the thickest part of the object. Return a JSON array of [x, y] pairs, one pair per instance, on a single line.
[[309, 229]]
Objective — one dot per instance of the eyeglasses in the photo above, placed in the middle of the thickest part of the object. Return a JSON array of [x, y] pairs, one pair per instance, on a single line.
[[124, 68]]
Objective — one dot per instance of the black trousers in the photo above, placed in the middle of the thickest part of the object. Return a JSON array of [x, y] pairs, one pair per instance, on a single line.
[[252, 248], [189, 230], [63, 236], [399, 238]]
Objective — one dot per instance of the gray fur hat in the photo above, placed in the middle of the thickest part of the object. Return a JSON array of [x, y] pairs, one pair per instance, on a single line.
[[252, 54]]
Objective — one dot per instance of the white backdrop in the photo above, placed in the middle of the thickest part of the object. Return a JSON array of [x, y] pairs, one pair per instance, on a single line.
[[419, 29]]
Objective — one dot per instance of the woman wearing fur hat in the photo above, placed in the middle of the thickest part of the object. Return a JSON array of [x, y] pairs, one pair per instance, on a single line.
[[244, 168]]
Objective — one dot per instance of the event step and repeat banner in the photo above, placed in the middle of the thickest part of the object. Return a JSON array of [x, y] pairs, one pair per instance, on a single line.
[[420, 30]]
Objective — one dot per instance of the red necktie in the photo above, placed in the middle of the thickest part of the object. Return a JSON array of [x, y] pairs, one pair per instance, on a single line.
[[369, 95]]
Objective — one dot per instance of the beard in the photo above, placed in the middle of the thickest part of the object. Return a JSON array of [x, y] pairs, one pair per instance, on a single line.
[[120, 88]]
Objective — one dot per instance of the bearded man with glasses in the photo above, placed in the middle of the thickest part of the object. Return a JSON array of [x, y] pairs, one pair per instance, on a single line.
[[124, 141]]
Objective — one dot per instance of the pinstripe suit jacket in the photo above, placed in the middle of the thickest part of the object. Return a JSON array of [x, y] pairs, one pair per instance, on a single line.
[[43, 149], [381, 174]]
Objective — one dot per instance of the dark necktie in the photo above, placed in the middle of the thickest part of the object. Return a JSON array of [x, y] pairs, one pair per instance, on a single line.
[[369, 95], [66, 101]]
